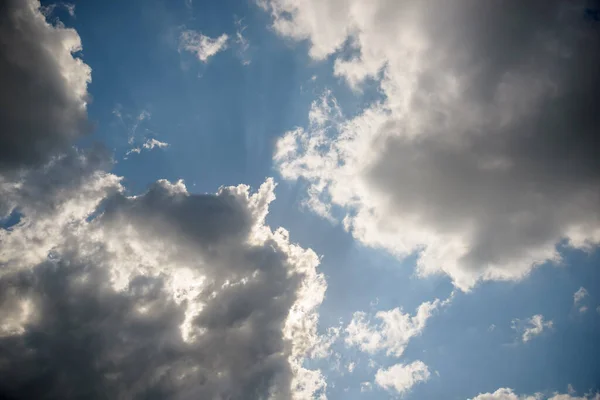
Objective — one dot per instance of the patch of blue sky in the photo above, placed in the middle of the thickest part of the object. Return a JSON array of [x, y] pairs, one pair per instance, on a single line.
[[221, 117], [10, 220]]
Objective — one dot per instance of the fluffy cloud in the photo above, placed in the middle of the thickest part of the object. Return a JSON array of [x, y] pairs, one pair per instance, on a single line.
[[393, 333], [203, 46], [482, 155], [162, 295], [44, 87], [401, 378], [504, 394], [165, 294], [531, 327], [509, 394]]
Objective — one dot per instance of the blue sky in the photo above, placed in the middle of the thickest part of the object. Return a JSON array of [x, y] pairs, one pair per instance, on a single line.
[[222, 122]]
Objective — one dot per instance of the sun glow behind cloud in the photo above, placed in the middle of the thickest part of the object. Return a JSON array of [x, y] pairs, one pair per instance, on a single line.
[[474, 163]]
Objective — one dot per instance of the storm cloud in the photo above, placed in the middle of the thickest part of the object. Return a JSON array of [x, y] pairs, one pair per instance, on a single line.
[[44, 86], [163, 295]]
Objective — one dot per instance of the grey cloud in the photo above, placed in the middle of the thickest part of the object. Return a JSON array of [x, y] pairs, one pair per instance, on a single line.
[[39, 190], [86, 335], [44, 87], [551, 181], [162, 295], [483, 155]]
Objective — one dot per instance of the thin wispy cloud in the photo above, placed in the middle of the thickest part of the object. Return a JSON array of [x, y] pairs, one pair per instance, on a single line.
[[202, 46]]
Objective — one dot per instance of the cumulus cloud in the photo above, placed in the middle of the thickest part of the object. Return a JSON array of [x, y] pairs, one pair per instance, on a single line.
[[531, 327], [160, 295], [401, 378], [201, 45], [482, 155], [43, 109], [394, 331], [44, 87], [509, 394], [504, 394], [164, 294]]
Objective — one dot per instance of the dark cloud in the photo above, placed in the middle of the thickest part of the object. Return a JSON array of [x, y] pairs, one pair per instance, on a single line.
[[531, 69], [484, 153], [39, 190], [44, 87], [164, 295]]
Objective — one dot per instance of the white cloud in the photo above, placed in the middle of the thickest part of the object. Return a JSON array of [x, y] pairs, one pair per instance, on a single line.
[[394, 331], [366, 387], [203, 46], [165, 294], [402, 377], [531, 327], [143, 116], [49, 9], [468, 160], [149, 144], [578, 297], [131, 124], [164, 290], [503, 394], [152, 143], [242, 42], [350, 367], [509, 394]]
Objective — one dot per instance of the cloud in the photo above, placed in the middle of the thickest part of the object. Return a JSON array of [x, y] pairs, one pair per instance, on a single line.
[[509, 394], [44, 87], [350, 367], [161, 295], [242, 42], [402, 377], [481, 156], [366, 387], [578, 297], [531, 327], [149, 144], [393, 333], [164, 294], [203, 46], [503, 394], [49, 9]]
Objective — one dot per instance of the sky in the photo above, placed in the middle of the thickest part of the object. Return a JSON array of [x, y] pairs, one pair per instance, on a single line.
[[299, 199]]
